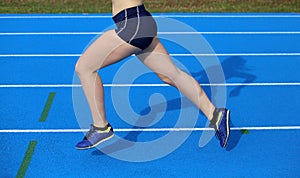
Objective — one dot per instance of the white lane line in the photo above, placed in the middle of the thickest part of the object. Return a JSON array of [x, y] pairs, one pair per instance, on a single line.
[[146, 129], [154, 15], [143, 85], [182, 55], [40, 55], [240, 54], [160, 33], [50, 33]]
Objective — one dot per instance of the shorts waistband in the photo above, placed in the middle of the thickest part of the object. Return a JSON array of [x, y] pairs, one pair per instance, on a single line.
[[129, 12]]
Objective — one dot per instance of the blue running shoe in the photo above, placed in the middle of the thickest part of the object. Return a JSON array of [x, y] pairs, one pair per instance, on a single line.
[[95, 136], [220, 123]]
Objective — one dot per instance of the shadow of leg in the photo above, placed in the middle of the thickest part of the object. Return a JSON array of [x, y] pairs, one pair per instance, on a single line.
[[120, 144], [234, 138]]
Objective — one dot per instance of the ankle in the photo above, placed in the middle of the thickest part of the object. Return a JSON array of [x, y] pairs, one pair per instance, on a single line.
[[214, 116], [212, 113], [100, 125]]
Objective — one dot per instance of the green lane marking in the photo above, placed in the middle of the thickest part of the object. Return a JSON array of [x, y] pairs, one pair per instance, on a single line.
[[27, 158], [245, 131], [47, 107]]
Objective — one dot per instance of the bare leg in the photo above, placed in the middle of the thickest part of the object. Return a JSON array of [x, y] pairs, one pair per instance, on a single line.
[[157, 59], [106, 50]]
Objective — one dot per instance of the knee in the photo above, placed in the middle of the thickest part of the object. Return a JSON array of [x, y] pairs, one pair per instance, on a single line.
[[170, 77], [81, 67], [78, 68], [167, 80]]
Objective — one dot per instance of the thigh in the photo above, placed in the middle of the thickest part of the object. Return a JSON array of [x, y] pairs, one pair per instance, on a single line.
[[158, 60], [109, 48]]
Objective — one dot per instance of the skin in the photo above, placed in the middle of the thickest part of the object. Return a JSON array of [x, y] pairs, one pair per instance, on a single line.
[[110, 48]]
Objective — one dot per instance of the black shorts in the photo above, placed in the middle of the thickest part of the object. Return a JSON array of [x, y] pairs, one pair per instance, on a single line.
[[136, 26]]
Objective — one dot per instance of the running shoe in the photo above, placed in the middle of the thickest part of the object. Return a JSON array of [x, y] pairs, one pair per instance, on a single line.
[[95, 136], [221, 123]]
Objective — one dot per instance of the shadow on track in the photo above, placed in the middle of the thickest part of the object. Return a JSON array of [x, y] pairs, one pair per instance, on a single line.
[[233, 67]]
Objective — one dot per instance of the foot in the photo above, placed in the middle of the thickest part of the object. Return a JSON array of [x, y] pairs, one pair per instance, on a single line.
[[220, 123], [95, 136]]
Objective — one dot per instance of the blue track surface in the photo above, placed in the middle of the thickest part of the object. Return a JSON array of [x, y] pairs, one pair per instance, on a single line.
[[260, 57]]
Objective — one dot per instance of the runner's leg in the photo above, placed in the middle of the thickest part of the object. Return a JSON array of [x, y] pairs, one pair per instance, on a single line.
[[158, 60], [106, 50]]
